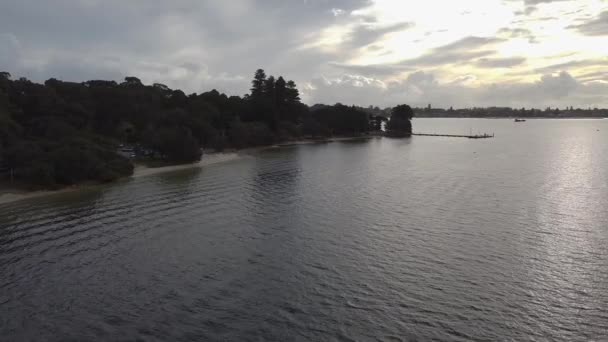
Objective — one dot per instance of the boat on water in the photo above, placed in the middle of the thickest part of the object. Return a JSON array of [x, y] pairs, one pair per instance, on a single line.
[[520, 120]]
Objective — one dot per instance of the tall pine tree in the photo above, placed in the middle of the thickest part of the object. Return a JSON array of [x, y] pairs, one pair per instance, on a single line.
[[258, 84], [292, 95], [269, 89], [280, 91]]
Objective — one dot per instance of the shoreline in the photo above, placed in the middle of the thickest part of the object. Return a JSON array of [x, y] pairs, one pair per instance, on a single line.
[[326, 140], [207, 160], [15, 195], [514, 117]]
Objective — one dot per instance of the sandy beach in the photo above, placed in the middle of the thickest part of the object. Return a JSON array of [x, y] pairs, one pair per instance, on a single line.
[[14, 195], [208, 159], [321, 140]]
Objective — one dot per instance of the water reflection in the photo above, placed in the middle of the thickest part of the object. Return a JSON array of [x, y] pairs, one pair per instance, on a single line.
[[434, 239]]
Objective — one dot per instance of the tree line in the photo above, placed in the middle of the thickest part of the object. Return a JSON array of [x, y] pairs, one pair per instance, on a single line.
[[508, 112], [62, 133]]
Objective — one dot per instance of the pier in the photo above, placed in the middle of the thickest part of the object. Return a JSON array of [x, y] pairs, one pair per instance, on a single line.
[[471, 136]]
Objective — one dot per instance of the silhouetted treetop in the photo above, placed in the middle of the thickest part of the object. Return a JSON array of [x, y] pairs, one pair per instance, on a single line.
[[292, 94], [403, 112], [400, 122], [132, 81], [258, 83]]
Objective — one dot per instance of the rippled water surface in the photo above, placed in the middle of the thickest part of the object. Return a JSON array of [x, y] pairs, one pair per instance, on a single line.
[[417, 239]]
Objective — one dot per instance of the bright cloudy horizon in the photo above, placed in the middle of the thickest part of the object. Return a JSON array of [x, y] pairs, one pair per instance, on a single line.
[[466, 53]]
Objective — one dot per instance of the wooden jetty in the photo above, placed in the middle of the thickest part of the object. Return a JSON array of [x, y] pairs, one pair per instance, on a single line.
[[471, 136]]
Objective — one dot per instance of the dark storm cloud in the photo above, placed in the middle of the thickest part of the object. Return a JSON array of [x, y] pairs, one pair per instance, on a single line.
[[595, 27]]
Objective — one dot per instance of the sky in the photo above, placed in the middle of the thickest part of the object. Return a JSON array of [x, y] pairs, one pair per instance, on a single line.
[[465, 53]]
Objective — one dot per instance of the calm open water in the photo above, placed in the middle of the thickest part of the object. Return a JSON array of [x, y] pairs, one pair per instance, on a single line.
[[418, 239]]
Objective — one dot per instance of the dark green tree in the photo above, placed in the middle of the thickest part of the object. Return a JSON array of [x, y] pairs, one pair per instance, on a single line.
[[292, 95], [342, 120], [132, 82], [280, 92], [258, 84], [65, 132], [400, 123], [269, 89], [176, 144]]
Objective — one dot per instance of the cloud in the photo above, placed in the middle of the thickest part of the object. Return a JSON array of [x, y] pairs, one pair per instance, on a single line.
[[558, 86], [437, 59], [499, 62], [10, 50], [536, 2], [594, 76], [346, 89], [595, 27], [365, 34], [200, 45], [373, 70], [527, 11], [463, 50], [469, 43], [572, 65], [518, 33], [421, 88], [337, 12], [229, 37]]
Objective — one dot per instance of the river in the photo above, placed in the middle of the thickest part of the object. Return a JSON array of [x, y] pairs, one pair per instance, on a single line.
[[427, 238]]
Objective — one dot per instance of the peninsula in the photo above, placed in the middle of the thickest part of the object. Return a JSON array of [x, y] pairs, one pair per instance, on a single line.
[[59, 134]]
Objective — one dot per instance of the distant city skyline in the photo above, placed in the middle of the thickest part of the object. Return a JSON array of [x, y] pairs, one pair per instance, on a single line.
[[517, 53]]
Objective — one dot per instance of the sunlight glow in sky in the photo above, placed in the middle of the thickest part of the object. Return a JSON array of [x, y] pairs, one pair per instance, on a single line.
[[538, 39]]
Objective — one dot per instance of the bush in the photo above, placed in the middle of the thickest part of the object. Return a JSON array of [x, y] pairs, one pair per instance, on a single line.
[[73, 165], [244, 134], [399, 127], [400, 123], [288, 130], [38, 173], [174, 143], [115, 169], [312, 128]]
